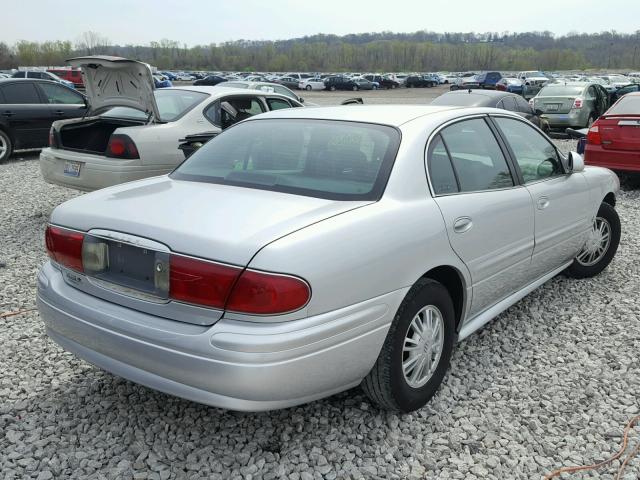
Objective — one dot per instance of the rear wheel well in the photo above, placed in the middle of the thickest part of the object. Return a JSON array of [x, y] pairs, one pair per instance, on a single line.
[[610, 198], [453, 282]]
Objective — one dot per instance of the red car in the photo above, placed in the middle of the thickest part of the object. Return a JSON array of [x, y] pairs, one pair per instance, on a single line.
[[613, 141], [70, 74]]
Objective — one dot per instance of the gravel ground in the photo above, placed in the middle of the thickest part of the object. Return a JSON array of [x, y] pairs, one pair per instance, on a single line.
[[550, 382]]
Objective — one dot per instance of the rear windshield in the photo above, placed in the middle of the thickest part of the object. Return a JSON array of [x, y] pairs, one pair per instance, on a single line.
[[561, 91], [336, 160], [627, 105], [172, 104]]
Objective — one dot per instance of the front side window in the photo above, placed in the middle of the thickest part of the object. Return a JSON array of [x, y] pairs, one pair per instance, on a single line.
[[56, 94], [318, 158], [476, 156], [534, 154], [277, 103]]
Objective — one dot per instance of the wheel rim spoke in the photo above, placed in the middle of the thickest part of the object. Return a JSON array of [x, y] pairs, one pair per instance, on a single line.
[[423, 346], [597, 245]]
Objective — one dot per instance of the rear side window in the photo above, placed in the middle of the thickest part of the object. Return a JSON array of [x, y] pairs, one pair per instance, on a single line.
[[629, 105], [318, 158], [172, 104], [21, 93], [476, 156], [443, 178], [277, 104], [56, 94]]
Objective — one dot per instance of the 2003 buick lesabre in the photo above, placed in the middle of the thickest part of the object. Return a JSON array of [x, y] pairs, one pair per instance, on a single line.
[[307, 251]]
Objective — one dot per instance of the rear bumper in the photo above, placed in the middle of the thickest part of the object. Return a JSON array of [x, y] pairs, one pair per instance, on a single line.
[[618, 160], [564, 120], [95, 171], [231, 364]]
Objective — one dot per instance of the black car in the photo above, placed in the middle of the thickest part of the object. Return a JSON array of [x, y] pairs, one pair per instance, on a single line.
[[384, 82], [28, 107], [210, 80], [339, 82], [420, 81], [633, 87], [493, 99]]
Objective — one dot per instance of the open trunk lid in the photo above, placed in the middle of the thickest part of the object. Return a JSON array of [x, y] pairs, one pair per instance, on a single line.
[[620, 132], [117, 82]]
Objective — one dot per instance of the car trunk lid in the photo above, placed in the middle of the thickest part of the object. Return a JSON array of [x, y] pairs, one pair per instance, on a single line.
[[117, 82], [560, 104], [620, 132]]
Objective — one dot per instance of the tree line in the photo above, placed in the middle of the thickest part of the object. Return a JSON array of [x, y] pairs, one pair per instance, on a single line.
[[378, 52]]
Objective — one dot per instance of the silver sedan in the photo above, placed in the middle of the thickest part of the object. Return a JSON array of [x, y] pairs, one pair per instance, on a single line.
[[304, 252]]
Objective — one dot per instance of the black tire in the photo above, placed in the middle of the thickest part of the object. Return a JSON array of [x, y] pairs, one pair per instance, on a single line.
[[393, 85], [355, 88], [6, 141], [578, 269], [374, 88], [308, 88], [386, 384], [332, 88]]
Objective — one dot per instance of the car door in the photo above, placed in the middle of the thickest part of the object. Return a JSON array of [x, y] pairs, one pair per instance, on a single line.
[[25, 114], [63, 102], [561, 200], [488, 215]]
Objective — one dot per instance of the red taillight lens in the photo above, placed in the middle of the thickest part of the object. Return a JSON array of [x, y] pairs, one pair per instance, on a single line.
[[201, 282], [65, 247], [265, 293], [577, 103], [121, 146], [593, 135]]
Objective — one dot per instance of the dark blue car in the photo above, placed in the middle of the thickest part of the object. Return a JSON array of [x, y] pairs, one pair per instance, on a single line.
[[489, 79]]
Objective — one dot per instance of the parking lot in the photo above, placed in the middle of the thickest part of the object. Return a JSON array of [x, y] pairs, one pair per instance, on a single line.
[[550, 382]]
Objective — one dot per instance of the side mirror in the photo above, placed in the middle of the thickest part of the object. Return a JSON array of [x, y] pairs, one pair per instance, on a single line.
[[576, 162], [538, 112]]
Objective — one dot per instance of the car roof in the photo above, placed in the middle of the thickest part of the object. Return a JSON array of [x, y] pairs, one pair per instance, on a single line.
[[216, 91], [394, 115]]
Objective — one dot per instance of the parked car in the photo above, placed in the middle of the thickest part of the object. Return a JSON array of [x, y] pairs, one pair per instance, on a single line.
[[613, 141], [28, 107], [210, 80], [313, 83], [418, 81], [282, 262], [43, 76], [289, 82], [571, 104], [268, 87], [383, 82], [340, 82], [493, 99], [511, 85], [69, 74], [465, 83], [620, 92], [488, 80], [532, 83], [184, 77], [133, 130], [161, 82], [364, 84]]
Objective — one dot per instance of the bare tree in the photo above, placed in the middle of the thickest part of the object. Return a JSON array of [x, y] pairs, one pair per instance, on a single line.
[[92, 43]]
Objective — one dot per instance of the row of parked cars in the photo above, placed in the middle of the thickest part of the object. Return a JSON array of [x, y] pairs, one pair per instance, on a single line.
[[281, 262]]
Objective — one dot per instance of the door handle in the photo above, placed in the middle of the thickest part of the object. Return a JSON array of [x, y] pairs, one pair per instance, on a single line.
[[59, 112], [542, 203], [8, 113], [462, 224]]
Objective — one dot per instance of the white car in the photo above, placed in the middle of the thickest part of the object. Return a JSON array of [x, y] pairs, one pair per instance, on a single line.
[[315, 83], [184, 77], [133, 130]]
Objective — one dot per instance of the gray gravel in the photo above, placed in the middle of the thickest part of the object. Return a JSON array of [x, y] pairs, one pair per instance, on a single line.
[[551, 382]]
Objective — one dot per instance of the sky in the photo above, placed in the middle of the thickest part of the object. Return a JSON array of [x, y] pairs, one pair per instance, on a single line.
[[214, 21]]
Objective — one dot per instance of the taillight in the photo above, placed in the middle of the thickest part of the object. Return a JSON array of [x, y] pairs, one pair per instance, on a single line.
[[65, 247], [201, 282], [121, 146], [264, 293], [53, 143], [593, 135], [577, 103]]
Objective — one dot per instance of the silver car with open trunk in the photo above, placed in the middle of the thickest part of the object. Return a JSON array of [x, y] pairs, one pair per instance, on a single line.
[[307, 251]]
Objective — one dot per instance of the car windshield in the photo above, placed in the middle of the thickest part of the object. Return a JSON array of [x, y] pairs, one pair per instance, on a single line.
[[172, 104], [534, 74], [234, 85], [318, 158], [628, 105], [561, 91]]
